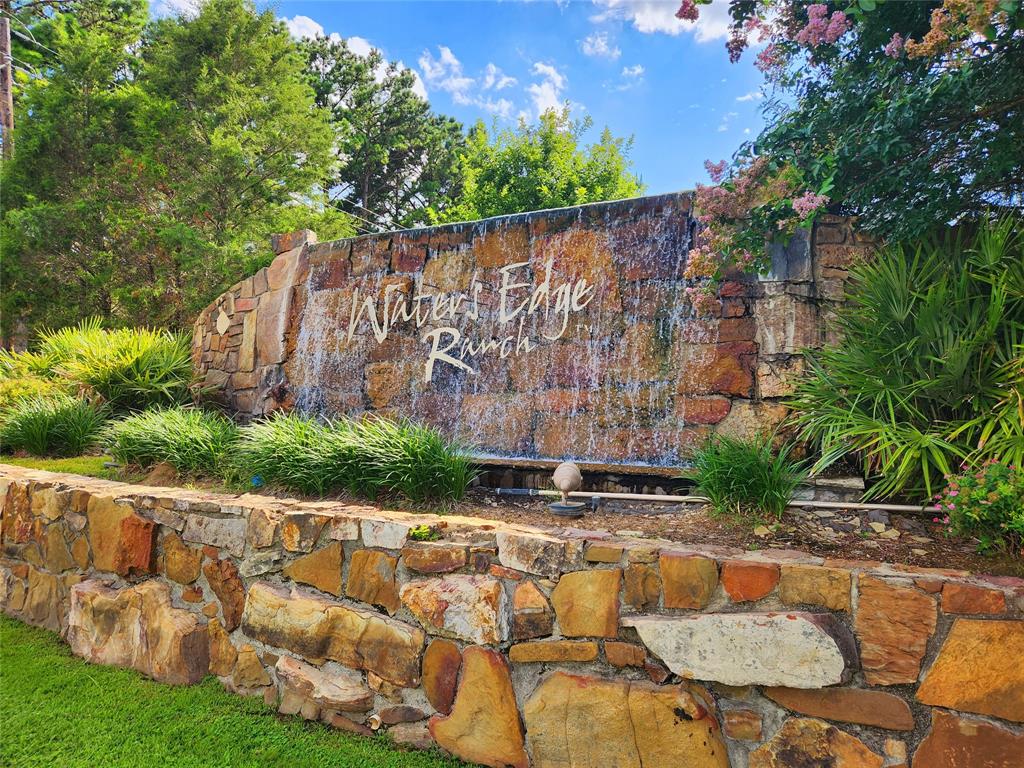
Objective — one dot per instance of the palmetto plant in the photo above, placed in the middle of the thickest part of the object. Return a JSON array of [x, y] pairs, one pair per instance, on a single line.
[[928, 370]]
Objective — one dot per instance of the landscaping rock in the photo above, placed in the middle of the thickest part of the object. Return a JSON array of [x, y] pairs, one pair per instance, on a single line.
[[335, 693], [441, 664], [960, 742], [642, 586], [385, 534], [624, 654], [300, 530], [433, 557], [181, 563], [263, 525], [371, 579], [688, 581], [803, 741], [968, 598], [415, 735], [484, 725], [227, 586], [815, 585], [554, 651], [743, 648], [893, 624], [849, 705], [531, 613], [320, 569], [318, 629], [249, 672], [742, 724], [222, 532], [746, 581], [122, 541], [579, 720], [586, 603], [468, 607], [533, 553], [979, 670], [222, 651], [136, 627]]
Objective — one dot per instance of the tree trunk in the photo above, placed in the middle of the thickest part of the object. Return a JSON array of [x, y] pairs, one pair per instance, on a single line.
[[6, 80]]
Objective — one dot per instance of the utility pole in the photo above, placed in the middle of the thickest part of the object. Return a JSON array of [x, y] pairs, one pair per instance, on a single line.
[[6, 80]]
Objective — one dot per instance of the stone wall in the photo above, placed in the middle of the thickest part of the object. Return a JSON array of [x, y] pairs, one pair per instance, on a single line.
[[568, 333], [510, 646]]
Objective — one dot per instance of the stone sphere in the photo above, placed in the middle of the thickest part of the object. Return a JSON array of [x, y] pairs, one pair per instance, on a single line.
[[567, 477]]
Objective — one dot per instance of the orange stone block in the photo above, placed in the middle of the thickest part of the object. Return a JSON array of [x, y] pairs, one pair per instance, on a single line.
[[746, 581], [968, 598]]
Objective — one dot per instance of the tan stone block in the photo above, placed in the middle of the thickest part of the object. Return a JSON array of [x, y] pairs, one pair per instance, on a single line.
[[804, 741], [687, 581], [747, 581], [300, 530], [433, 556], [742, 724], [371, 579], [978, 670], [602, 553], [321, 568], [624, 654], [849, 705], [958, 597], [815, 585], [329, 692], [531, 613], [442, 662], [484, 725], [181, 563], [80, 552], [263, 524], [586, 603], [893, 624], [533, 553], [642, 586], [222, 650], [468, 607], [249, 672], [553, 651]]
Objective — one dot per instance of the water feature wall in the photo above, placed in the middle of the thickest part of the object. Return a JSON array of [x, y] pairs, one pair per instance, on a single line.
[[545, 335]]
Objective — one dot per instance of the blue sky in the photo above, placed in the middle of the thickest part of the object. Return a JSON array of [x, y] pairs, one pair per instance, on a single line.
[[628, 64]]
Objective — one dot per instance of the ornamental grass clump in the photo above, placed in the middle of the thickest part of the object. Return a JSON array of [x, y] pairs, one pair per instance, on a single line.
[[369, 458], [746, 479], [193, 441], [988, 504], [56, 425], [130, 368]]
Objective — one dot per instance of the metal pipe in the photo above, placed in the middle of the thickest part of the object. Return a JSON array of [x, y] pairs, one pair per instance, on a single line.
[[667, 499]]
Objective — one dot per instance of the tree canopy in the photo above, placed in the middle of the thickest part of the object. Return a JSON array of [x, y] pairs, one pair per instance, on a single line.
[[532, 167]]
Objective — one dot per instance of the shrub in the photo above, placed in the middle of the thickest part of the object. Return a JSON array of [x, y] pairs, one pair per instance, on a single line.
[[746, 479], [191, 440], [130, 368], [58, 425], [365, 458], [14, 388], [925, 375], [987, 503]]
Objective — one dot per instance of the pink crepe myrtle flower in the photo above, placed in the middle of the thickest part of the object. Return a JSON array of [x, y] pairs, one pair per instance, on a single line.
[[770, 58], [688, 11], [808, 203], [715, 170], [894, 48], [821, 28]]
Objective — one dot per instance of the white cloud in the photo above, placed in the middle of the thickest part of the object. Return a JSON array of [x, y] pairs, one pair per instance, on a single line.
[[445, 73], [752, 96], [597, 44], [186, 8], [496, 79], [301, 26], [651, 16], [727, 119], [634, 71], [360, 46], [546, 94]]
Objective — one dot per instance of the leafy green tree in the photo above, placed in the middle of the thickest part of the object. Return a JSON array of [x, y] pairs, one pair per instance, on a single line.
[[540, 166], [154, 159], [396, 159]]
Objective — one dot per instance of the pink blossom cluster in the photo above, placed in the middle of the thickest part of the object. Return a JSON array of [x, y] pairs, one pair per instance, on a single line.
[[808, 203], [821, 28], [715, 170], [703, 300], [894, 48], [688, 11], [700, 262]]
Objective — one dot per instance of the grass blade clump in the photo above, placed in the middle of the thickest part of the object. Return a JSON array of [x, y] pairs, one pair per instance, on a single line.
[[191, 440], [58, 425], [746, 479]]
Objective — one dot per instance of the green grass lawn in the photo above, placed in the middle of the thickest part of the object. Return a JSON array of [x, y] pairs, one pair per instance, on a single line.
[[78, 465], [58, 711]]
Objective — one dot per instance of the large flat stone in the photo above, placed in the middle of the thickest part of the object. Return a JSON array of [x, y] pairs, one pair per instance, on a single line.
[[893, 624], [743, 648], [336, 693], [136, 627], [484, 725], [371, 579], [582, 720], [979, 669], [321, 568], [319, 629], [531, 552], [587, 603], [468, 607], [959, 742]]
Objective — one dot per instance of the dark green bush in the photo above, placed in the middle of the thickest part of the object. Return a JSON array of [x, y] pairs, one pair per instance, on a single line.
[[130, 368], [191, 440], [745, 479], [930, 369], [57, 425], [364, 458]]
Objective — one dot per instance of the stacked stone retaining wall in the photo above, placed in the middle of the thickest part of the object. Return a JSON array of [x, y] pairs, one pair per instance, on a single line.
[[511, 646]]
